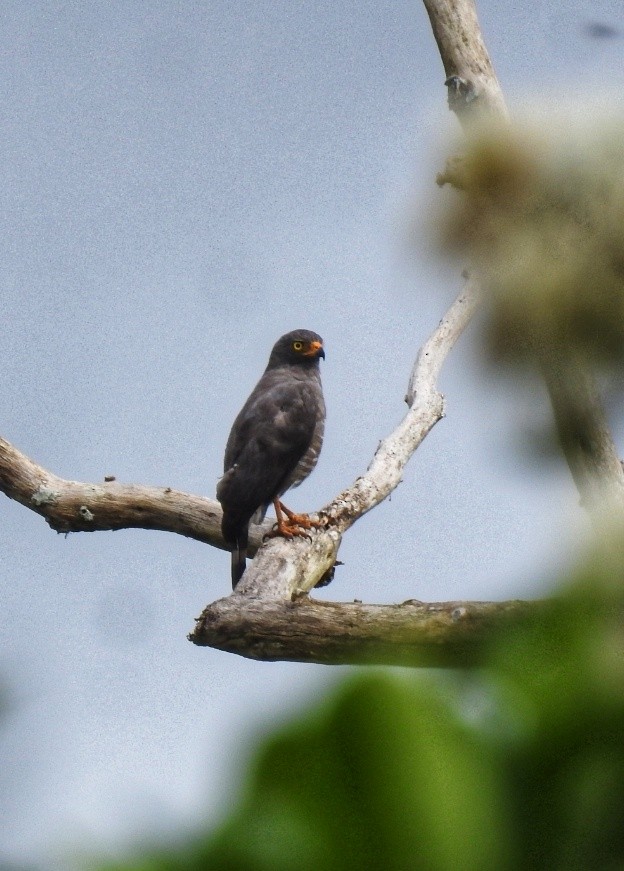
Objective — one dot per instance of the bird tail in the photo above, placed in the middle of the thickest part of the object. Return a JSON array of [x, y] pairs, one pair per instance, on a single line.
[[239, 560], [236, 534]]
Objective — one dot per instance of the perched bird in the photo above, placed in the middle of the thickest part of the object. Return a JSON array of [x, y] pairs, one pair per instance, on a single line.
[[274, 443]]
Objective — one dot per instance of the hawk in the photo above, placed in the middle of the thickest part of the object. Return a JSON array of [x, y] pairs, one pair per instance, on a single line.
[[274, 443]]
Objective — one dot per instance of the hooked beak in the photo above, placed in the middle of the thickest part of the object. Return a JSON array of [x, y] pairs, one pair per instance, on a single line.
[[316, 350]]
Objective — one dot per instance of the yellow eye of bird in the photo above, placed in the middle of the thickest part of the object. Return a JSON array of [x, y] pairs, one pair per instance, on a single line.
[[297, 346]]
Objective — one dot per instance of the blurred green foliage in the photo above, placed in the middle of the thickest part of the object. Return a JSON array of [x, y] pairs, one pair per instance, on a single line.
[[517, 765]]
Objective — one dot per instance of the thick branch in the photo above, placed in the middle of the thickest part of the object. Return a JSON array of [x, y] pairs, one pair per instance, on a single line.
[[469, 71], [72, 506], [337, 633]]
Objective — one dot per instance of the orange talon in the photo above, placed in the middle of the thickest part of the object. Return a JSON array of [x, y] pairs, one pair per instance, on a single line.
[[295, 521], [302, 520], [292, 524]]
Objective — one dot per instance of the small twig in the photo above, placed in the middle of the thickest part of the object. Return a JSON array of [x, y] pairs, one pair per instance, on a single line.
[[433, 353]]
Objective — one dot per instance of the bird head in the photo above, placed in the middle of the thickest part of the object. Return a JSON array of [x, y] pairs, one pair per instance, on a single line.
[[298, 346]]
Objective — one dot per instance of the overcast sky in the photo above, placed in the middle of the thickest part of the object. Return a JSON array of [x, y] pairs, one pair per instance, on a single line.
[[183, 182]]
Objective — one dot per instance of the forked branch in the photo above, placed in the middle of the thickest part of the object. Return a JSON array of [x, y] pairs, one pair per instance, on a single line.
[[269, 616]]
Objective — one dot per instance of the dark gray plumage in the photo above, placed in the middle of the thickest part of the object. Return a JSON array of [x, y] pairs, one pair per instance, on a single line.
[[274, 442]]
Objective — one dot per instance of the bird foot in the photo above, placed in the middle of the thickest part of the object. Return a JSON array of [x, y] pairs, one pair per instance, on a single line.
[[289, 524], [302, 520], [293, 525]]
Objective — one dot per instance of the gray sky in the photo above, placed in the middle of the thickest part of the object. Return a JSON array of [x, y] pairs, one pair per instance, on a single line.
[[184, 182]]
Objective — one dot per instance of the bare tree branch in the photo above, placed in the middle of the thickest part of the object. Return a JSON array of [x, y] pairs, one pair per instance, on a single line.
[[283, 570], [268, 617], [470, 75], [283, 567], [72, 506], [432, 634]]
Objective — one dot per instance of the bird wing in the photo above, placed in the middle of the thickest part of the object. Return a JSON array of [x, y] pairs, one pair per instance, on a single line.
[[271, 434]]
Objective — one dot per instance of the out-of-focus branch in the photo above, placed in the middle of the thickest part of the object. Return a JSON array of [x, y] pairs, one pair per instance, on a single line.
[[584, 435], [582, 426]]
